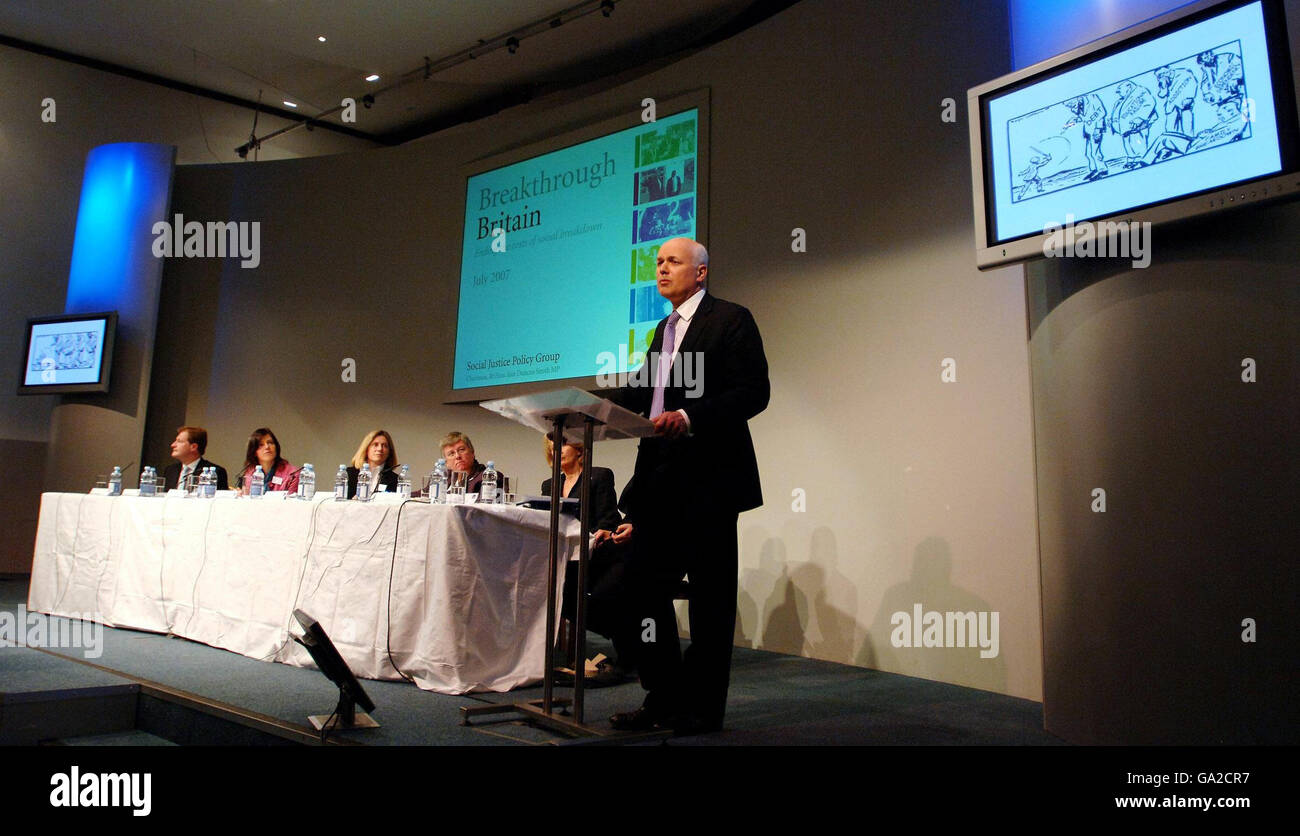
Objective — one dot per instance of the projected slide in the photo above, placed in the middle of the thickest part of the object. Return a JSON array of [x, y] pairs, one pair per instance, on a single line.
[[558, 260], [65, 352], [1188, 111]]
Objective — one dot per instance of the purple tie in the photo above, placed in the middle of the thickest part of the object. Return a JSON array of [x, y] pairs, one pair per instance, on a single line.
[[664, 367]]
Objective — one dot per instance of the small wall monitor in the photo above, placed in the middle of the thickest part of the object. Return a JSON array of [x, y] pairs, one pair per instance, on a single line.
[[69, 353], [1187, 114]]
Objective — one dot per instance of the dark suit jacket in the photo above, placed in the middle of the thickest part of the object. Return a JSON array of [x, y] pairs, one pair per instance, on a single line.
[[172, 473], [604, 499], [732, 385], [475, 481], [386, 477]]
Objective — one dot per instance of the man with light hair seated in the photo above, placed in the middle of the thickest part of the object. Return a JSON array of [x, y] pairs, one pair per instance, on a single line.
[[458, 450]]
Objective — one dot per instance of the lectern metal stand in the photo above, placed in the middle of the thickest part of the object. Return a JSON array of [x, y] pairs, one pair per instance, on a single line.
[[553, 412]]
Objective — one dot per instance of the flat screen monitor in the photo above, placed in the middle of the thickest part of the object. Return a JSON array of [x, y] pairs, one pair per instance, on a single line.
[[1190, 113], [557, 268], [68, 353], [331, 663]]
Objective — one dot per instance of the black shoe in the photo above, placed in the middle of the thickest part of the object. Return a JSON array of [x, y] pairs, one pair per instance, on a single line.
[[643, 719]]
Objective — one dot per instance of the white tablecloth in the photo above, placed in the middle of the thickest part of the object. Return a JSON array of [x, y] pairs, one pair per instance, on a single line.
[[457, 593]]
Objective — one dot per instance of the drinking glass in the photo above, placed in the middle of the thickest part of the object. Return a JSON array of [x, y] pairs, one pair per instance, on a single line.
[[457, 480]]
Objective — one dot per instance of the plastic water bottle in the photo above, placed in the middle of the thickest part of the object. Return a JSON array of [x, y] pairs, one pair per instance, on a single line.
[[363, 483], [341, 484], [258, 486], [147, 485], [213, 483], [488, 493], [307, 482], [438, 482], [206, 483], [404, 482], [115, 482]]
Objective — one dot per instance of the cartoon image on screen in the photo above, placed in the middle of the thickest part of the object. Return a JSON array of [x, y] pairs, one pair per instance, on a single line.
[[1170, 111], [77, 350]]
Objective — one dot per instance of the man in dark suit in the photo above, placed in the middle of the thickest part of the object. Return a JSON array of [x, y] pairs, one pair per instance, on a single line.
[[188, 449], [692, 479], [458, 450], [674, 184]]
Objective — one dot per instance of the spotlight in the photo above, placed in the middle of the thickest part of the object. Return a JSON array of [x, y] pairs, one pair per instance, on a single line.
[[251, 145], [512, 44], [607, 7], [368, 100]]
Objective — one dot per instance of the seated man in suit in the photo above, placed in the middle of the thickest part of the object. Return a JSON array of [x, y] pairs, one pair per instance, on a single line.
[[188, 449], [458, 450]]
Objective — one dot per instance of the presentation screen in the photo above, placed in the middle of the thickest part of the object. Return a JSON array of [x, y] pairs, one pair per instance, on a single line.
[[68, 353], [557, 277], [1181, 109]]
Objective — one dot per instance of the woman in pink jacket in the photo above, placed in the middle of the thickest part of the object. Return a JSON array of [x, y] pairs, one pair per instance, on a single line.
[[264, 450]]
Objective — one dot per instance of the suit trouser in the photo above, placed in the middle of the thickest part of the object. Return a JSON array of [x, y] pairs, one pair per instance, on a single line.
[[702, 546], [606, 597]]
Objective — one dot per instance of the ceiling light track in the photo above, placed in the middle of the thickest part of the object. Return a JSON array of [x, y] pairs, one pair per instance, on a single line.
[[510, 41]]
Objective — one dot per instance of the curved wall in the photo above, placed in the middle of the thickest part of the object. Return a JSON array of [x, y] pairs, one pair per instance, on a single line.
[[1169, 617]]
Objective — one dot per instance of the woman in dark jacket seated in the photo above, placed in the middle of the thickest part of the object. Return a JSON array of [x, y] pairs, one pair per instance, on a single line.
[[378, 450], [606, 567]]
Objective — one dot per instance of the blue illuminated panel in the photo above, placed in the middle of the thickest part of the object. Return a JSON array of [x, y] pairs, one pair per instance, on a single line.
[[1043, 28], [126, 189]]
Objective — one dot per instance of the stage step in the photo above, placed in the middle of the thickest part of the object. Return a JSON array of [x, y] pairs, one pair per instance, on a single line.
[[44, 697], [125, 738]]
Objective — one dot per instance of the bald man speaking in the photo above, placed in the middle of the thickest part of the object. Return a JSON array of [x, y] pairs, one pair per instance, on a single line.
[[692, 479]]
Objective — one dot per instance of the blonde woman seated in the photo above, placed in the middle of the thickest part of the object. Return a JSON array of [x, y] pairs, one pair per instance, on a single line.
[[605, 572], [377, 450], [604, 500], [264, 449]]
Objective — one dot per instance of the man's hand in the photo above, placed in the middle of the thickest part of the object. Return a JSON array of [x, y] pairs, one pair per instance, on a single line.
[[670, 424], [621, 535]]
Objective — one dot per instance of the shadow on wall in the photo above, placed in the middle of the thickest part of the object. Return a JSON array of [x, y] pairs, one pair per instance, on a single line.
[[807, 608], [810, 608], [957, 637]]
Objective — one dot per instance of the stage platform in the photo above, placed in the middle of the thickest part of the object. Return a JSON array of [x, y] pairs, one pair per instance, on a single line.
[[149, 689]]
